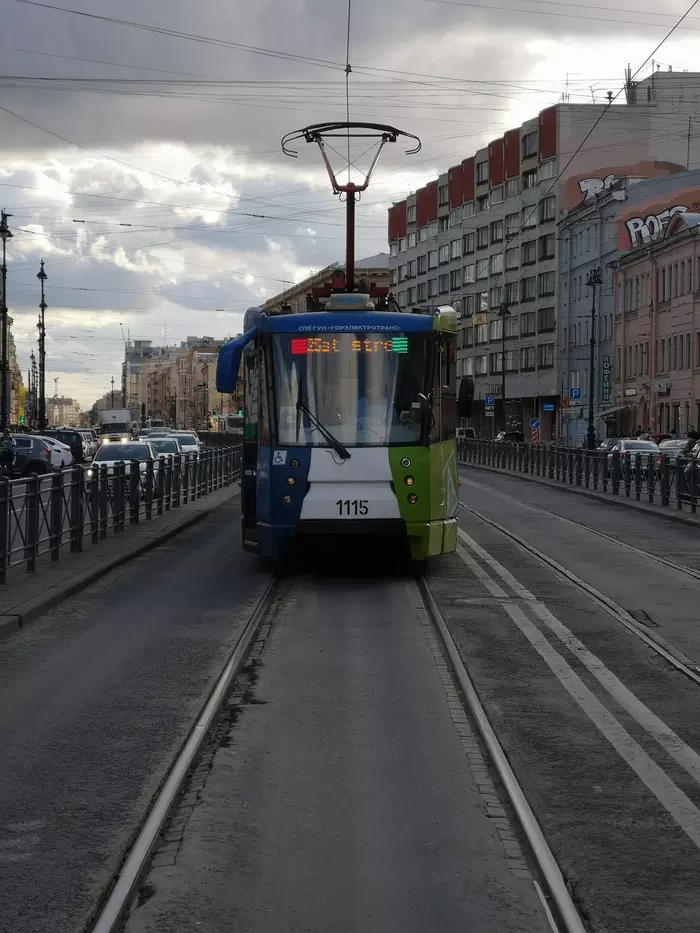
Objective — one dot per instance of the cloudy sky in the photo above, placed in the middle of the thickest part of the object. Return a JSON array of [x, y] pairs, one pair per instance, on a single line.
[[144, 164]]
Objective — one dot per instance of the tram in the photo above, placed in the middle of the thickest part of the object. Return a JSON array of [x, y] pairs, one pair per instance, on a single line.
[[349, 420]]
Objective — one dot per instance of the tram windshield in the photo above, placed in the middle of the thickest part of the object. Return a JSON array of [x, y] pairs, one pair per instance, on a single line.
[[363, 388]]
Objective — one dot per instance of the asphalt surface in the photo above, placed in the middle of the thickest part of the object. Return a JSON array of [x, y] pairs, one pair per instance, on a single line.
[[340, 797], [95, 699]]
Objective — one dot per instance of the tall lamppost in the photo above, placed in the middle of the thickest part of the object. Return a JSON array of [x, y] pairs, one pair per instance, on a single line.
[[42, 276], [503, 313], [593, 280], [5, 235]]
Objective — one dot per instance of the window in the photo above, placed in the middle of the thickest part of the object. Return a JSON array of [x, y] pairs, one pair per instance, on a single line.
[[432, 288], [469, 366], [545, 356], [469, 243], [528, 322], [443, 223], [455, 249], [422, 234], [482, 269], [512, 225], [528, 253], [483, 302], [512, 258], [411, 214], [443, 284], [470, 305], [545, 284], [482, 172], [469, 274], [687, 351], [411, 295], [468, 209], [496, 329], [528, 289], [497, 231], [482, 204], [468, 337], [404, 244], [401, 298], [546, 246], [530, 178], [496, 264], [495, 296], [513, 293], [527, 359], [547, 209], [494, 363], [443, 195], [545, 320], [422, 264], [422, 291], [497, 195], [411, 269], [455, 279], [529, 144], [444, 254], [512, 187], [529, 218], [456, 217], [511, 364], [482, 237], [480, 365], [481, 333], [394, 248], [512, 327], [548, 169], [411, 240], [402, 273], [433, 228], [433, 259]]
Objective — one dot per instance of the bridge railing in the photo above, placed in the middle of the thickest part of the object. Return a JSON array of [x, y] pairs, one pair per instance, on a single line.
[[42, 515], [671, 481]]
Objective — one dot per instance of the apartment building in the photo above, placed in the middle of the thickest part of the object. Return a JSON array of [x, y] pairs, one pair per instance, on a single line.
[[484, 237], [373, 269], [657, 330]]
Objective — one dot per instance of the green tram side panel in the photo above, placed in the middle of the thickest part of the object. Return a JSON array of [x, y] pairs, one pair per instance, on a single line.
[[430, 522]]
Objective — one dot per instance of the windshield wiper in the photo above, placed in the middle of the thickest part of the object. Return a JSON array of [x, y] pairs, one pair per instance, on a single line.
[[342, 451]]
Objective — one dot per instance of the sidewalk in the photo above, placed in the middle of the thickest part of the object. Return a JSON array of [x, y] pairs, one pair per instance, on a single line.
[[669, 512], [26, 596]]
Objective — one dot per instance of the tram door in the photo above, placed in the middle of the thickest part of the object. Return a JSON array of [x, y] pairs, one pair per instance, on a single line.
[[251, 437]]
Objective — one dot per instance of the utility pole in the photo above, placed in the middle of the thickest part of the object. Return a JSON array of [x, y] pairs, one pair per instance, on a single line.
[[503, 313], [42, 276], [112, 405], [5, 235], [593, 280]]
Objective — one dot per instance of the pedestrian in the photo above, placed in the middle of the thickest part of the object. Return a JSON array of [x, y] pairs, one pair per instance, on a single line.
[[8, 453], [674, 436]]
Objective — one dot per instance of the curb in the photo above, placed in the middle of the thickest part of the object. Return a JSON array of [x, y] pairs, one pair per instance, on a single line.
[[20, 615], [630, 504]]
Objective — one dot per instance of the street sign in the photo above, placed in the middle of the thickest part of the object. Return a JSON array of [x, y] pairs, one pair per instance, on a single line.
[[534, 423], [489, 412], [574, 395], [535, 436], [488, 401], [575, 411]]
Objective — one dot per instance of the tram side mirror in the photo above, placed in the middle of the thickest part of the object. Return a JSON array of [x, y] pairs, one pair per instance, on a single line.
[[465, 398], [426, 406]]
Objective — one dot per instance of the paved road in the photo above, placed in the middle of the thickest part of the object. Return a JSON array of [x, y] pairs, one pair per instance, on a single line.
[[94, 700], [341, 797]]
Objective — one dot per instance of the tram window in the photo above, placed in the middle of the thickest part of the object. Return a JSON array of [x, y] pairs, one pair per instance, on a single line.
[[251, 394], [265, 424]]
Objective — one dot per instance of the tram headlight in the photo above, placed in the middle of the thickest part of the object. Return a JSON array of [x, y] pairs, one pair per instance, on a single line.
[[413, 498], [290, 481], [405, 463], [409, 480], [287, 500]]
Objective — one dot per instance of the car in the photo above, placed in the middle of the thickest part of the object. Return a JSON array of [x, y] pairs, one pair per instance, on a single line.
[[165, 445], [510, 437], [33, 455], [629, 448], [608, 443], [113, 452], [72, 438], [60, 453], [188, 441]]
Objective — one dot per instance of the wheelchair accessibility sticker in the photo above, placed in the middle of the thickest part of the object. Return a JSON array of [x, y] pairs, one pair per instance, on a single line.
[[279, 458]]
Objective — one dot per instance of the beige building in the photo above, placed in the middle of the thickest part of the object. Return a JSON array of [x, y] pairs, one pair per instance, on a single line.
[[374, 269], [61, 410]]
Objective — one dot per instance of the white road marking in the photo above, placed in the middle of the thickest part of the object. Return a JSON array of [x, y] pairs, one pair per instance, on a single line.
[[669, 795], [685, 756], [491, 585]]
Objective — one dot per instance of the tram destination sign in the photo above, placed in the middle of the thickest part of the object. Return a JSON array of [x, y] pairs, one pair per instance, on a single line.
[[302, 346]]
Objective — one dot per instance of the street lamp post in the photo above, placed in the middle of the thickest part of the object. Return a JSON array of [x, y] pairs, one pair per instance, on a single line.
[[503, 313], [42, 276], [112, 402], [5, 235], [593, 280]]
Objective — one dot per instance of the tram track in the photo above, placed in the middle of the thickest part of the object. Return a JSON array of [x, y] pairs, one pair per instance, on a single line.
[[669, 652], [549, 883]]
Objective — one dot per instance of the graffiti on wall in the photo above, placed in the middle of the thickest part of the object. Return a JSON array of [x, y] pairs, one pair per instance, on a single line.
[[645, 230], [583, 187], [590, 187], [647, 223]]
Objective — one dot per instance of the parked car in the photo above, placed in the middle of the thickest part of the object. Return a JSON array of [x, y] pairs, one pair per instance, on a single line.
[[672, 450], [608, 443], [72, 438], [33, 455], [629, 448], [60, 453]]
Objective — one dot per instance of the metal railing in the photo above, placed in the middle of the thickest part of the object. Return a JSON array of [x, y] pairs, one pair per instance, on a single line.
[[42, 514], [672, 481]]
